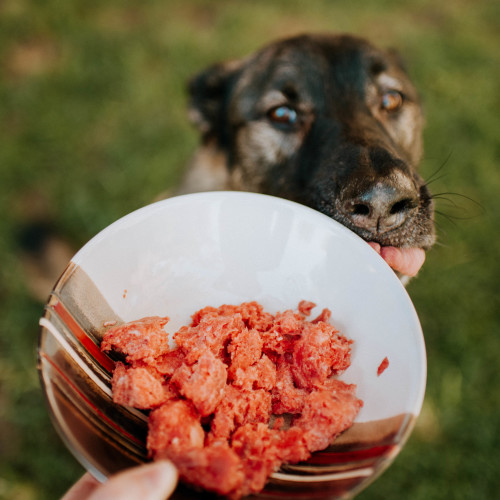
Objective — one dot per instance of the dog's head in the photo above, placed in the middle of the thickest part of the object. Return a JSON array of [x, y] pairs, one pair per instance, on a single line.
[[328, 121]]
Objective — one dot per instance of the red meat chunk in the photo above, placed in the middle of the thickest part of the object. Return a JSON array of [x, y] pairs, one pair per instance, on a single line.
[[143, 339], [212, 332], [239, 407], [245, 349], [261, 375], [215, 399], [258, 447], [287, 398], [252, 314], [305, 307], [294, 446], [318, 353], [139, 387], [168, 363], [326, 413], [173, 428], [324, 316], [202, 383], [383, 366], [216, 467]]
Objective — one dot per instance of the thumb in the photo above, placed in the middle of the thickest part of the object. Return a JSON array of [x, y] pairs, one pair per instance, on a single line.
[[154, 481]]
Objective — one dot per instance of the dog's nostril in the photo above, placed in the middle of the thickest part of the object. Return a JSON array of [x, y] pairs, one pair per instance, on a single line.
[[360, 209], [401, 206]]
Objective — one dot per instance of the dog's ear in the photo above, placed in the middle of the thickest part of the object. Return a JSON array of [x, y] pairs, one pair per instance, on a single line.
[[208, 92]]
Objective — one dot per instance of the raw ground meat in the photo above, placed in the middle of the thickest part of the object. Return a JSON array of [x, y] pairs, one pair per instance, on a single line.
[[139, 387], [215, 399], [143, 339], [383, 366]]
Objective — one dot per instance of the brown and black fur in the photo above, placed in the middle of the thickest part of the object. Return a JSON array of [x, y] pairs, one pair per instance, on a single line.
[[345, 154]]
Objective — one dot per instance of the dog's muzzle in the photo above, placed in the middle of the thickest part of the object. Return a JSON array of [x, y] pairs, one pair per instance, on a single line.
[[381, 208]]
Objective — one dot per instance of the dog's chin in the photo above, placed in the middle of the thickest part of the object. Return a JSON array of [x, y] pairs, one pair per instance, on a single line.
[[403, 248], [409, 235], [416, 231], [406, 237]]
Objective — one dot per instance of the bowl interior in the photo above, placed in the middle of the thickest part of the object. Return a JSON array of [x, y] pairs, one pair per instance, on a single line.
[[179, 255]]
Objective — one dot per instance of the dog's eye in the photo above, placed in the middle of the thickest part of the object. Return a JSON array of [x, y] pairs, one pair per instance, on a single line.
[[392, 100], [283, 115]]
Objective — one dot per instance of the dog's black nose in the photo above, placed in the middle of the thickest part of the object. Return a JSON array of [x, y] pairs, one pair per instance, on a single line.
[[382, 207]]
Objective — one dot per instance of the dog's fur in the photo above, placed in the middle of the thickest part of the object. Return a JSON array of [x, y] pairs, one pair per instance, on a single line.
[[350, 148]]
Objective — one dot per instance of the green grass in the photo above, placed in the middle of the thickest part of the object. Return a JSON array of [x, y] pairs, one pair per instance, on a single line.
[[92, 100]]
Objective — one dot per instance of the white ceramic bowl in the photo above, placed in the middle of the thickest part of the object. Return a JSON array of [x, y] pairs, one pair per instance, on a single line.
[[179, 255]]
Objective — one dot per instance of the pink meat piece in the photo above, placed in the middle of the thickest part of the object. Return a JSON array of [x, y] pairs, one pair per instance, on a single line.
[[318, 353], [305, 307], [279, 339], [216, 468], [168, 363], [261, 375], [139, 387], [245, 349], [173, 428], [287, 398], [326, 413], [202, 383], [289, 322], [237, 408], [324, 316], [143, 339], [293, 446], [252, 314], [383, 366], [258, 446], [212, 332]]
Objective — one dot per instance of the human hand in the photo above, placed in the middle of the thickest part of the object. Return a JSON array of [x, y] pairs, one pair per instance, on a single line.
[[153, 481], [407, 261]]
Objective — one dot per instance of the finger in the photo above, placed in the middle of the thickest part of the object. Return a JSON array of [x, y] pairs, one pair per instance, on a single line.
[[82, 489], [407, 261], [154, 481]]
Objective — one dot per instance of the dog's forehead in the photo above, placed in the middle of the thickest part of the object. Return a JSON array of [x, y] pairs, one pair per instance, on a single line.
[[315, 67], [278, 68]]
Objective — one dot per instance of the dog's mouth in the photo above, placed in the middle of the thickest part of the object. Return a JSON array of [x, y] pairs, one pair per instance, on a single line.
[[386, 216], [402, 239], [413, 232]]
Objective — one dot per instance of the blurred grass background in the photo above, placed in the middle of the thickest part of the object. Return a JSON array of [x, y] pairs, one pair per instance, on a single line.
[[93, 126]]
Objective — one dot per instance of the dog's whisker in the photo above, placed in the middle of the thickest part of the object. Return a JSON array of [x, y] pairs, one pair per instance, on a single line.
[[441, 244], [433, 176], [441, 227], [435, 179], [461, 212], [460, 195]]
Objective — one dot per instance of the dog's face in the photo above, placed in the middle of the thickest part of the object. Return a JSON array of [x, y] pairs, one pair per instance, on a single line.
[[328, 121]]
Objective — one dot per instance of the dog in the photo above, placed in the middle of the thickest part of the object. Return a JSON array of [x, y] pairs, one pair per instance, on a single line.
[[326, 120]]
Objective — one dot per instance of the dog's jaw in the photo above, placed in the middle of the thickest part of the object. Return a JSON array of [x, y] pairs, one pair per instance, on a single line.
[[416, 230]]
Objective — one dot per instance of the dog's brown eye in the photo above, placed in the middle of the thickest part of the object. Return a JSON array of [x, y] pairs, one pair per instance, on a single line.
[[283, 115], [392, 100]]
